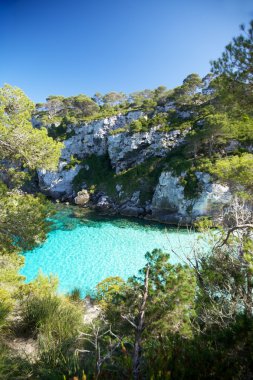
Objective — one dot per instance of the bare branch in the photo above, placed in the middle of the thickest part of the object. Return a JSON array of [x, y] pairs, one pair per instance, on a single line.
[[129, 321], [231, 230]]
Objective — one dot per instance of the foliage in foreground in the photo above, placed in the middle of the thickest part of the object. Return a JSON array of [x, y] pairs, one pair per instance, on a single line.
[[182, 321]]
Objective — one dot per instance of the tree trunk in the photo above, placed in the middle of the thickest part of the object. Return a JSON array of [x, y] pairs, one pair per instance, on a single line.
[[249, 300], [139, 330]]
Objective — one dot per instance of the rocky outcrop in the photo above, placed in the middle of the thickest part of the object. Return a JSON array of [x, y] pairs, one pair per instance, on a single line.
[[104, 203], [169, 203], [126, 150], [92, 137], [89, 138], [58, 184]]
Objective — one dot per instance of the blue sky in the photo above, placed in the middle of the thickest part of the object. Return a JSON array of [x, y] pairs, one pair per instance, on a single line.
[[67, 47]]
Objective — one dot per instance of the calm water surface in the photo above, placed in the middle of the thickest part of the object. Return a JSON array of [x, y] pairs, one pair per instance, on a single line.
[[84, 248]]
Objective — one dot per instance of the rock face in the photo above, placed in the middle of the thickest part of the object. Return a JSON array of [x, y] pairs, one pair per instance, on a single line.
[[92, 138], [126, 150], [169, 203], [58, 184], [132, 207]]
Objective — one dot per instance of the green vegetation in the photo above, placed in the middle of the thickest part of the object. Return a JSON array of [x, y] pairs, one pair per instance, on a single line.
[[22, 219], [117, 131], [24, 224], [58, 112], [55, 321], [165, 121], [60, 132], [144, 124], [96, 170], [72, 162], [20, 142], [237, 171]]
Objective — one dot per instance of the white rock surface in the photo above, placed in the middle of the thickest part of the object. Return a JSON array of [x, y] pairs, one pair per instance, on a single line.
[[126, 150], [91, 137], [169, 200], [59, 183]]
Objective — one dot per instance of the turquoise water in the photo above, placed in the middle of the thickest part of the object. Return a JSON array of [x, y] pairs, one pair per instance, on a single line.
[[84, 249]]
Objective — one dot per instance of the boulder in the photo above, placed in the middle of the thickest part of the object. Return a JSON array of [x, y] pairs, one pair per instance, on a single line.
[[132, 206], [82, 198], [118, 188], [104, 203]]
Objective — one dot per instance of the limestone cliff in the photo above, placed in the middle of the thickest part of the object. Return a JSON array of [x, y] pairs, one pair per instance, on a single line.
[[165, 202]]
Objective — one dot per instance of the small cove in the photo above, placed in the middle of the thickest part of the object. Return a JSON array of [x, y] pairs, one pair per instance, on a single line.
[[84, 248]]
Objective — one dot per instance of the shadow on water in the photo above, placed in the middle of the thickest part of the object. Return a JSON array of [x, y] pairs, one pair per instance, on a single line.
[[67, 218]]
